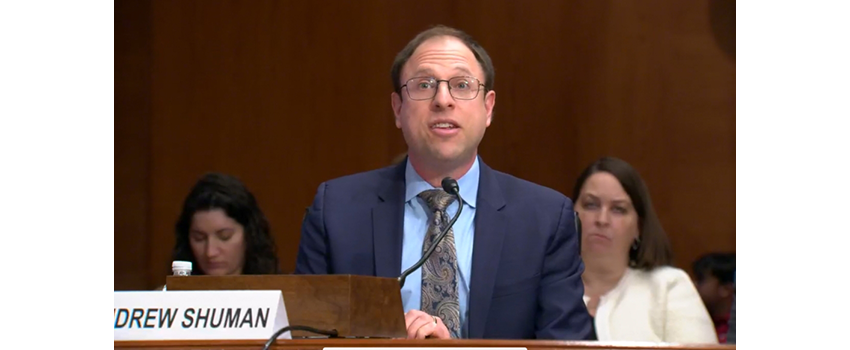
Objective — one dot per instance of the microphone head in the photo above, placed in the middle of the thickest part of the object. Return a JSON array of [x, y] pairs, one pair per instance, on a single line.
[[450, 185]]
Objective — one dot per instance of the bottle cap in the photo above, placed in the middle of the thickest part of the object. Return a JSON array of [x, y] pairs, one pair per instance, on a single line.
[[181, 265]]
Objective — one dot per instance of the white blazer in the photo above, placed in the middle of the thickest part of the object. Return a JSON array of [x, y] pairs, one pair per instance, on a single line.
[[658, 306]]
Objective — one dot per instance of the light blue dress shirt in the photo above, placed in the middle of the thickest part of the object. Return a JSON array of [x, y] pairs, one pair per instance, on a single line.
[[415, 227]]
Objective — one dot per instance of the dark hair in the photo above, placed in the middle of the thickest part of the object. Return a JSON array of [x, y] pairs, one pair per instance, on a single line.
[[220, 191], [653, 247], [437, 31], [720, 265]]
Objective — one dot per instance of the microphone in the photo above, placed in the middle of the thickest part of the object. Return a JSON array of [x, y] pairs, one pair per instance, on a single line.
[[449, 185]]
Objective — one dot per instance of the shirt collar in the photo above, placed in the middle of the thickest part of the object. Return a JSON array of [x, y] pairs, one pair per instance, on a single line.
[[468, 183]]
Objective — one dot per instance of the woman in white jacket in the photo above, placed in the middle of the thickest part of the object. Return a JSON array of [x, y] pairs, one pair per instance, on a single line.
[[631, 290]]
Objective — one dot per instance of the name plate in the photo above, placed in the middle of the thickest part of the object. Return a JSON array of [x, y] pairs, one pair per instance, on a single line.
[[185, 315]]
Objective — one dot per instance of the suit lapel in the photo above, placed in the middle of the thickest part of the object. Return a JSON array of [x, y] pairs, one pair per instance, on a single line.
[[388, 224], [486, 249]]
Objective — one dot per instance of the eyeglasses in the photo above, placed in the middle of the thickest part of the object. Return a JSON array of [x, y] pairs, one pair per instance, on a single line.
[[425, 88]]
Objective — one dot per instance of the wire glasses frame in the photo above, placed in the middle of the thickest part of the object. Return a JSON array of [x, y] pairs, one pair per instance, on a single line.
[[425, 88]]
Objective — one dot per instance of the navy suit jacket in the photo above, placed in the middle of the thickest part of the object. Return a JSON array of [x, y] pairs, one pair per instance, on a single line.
[[526, 264]]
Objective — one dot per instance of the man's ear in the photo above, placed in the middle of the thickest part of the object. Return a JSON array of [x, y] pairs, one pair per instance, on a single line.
[[489, 103], [395, 101]]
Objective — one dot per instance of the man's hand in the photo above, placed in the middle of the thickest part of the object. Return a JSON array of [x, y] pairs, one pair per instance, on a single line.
[[421, 325]]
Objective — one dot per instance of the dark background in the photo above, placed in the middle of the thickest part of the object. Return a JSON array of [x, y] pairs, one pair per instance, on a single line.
[[287, 94]]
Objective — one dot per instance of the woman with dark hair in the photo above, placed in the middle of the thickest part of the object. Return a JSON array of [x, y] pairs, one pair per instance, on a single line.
[[631, 289], [222, 230]]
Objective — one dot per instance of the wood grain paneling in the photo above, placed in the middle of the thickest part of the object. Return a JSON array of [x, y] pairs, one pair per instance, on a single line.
[[132, 143], [287, 94]]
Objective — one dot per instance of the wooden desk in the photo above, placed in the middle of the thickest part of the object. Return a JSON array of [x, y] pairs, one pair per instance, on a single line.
[[318, 344]]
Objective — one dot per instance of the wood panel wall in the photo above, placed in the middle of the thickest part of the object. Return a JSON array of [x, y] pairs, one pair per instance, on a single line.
[[287, 94]]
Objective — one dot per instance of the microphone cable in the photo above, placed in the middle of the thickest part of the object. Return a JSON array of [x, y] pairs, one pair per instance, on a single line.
[[333, 333]]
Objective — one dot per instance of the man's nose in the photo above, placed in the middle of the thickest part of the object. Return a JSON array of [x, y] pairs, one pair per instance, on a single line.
[[443, 97]]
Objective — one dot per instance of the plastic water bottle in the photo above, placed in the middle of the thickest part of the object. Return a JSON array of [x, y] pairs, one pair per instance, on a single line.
[[181, 268]]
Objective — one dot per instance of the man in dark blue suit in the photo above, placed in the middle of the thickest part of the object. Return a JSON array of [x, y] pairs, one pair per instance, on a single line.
[[510, 267]]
